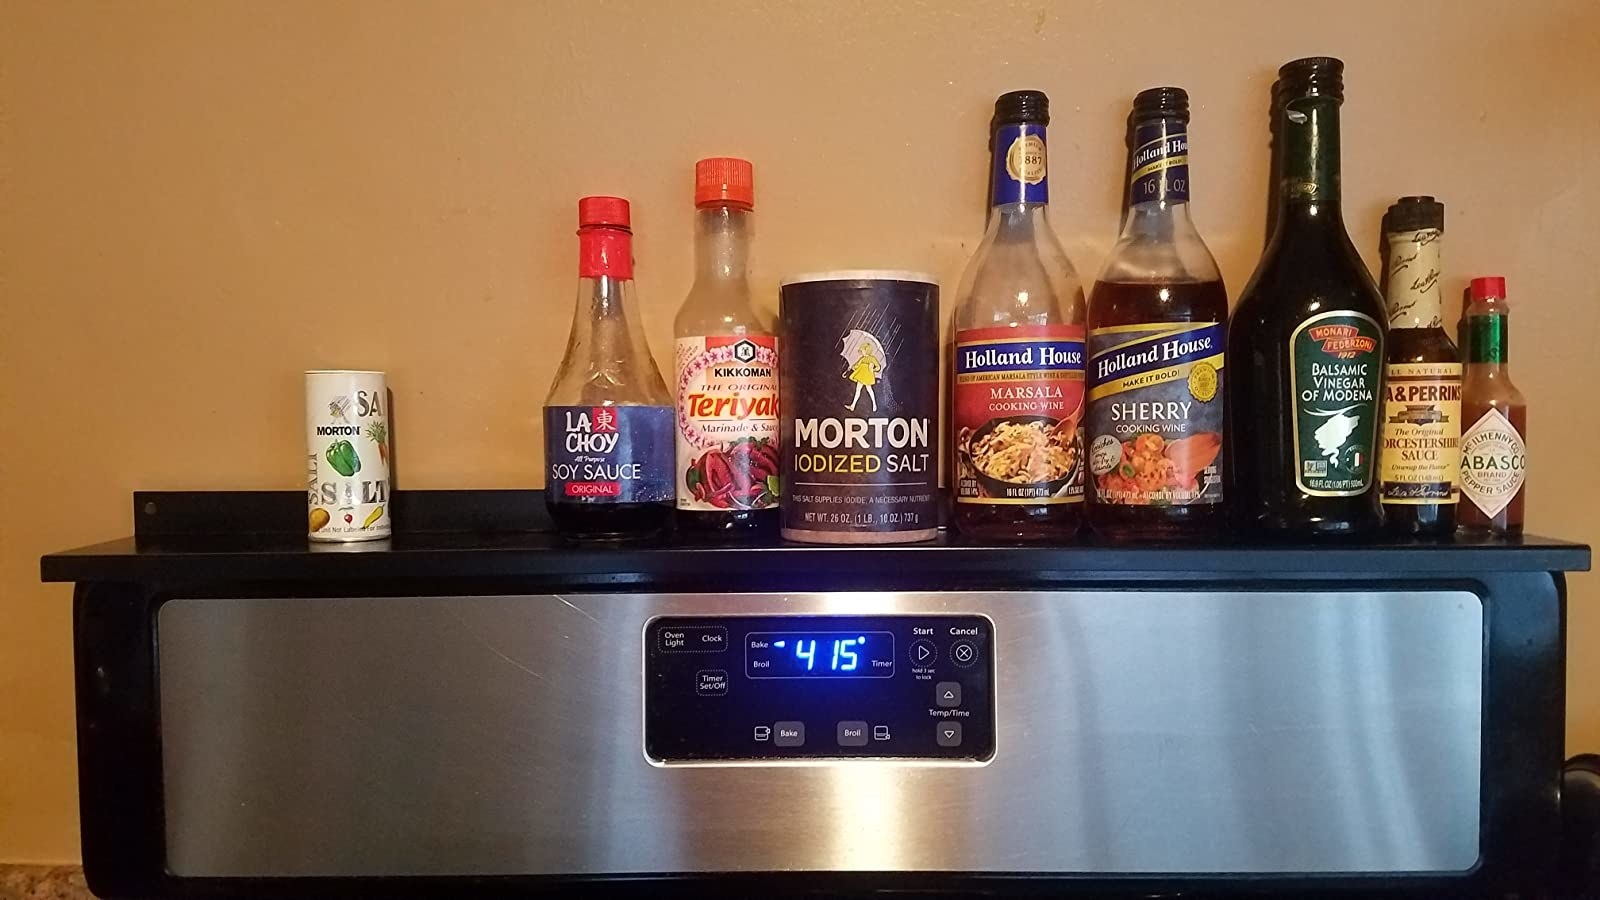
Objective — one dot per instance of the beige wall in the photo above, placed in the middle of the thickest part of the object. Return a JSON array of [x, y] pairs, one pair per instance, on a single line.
[[203, 199]]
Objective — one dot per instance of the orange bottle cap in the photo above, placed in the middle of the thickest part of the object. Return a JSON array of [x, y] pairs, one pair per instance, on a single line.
[[724, 181]]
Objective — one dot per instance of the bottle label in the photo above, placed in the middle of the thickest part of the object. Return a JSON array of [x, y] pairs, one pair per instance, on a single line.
[[727, 423], [1018, 401], [1020, 165], [1494, 463], [1160, 164], [608, 454], [1335, 372], [1155, 413], [1419, 462], [1415, 296]]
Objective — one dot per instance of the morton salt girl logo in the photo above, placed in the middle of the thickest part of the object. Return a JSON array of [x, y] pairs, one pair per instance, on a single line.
[[865, 360]]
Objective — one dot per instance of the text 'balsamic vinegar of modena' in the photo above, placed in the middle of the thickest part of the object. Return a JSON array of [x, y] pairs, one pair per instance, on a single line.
[[1419, 459], [1306, 345], [1157, 317]]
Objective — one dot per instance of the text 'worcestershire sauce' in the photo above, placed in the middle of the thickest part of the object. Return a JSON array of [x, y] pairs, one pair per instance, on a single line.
[[1157, 318], [1306, 345], [1017, 387]]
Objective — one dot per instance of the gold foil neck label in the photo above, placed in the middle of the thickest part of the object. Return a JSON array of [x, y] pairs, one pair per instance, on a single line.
[[1025, 161]]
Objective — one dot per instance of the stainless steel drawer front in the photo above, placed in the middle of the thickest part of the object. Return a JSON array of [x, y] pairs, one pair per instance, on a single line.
[[1136, 732]]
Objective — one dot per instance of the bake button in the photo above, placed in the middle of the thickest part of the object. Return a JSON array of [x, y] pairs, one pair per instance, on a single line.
[[789, 734], [711, 682], [947, 694], [852, 734], [948, 734], [963, 653]]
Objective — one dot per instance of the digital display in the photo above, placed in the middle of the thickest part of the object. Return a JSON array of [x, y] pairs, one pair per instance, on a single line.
[[819, 654]]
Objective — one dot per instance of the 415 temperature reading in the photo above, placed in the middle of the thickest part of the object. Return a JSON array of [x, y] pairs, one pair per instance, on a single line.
[[844, 658]]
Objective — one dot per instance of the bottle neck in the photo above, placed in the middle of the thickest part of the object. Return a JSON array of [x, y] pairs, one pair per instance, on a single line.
[[1412, 282], [1487, 339], [1018, 165], [1309, 179], [721, 244], [605, 252], [1158, 165]]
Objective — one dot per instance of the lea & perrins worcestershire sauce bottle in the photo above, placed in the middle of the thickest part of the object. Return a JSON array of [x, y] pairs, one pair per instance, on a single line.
[[1306, 345], [608, 418], [1419, 457]]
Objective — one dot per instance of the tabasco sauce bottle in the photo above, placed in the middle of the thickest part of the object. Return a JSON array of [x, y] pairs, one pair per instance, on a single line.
[[1419, 460], [1494, 450], [1306, 346]]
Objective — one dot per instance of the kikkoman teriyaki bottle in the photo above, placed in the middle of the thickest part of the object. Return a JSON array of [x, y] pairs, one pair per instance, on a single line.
[[727, 368], [608, 418], [1157, 317], [1306, 344], [1017, 390]]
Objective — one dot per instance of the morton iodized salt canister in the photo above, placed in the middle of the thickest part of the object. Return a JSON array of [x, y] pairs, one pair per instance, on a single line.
[[347, 447], [859, 382]]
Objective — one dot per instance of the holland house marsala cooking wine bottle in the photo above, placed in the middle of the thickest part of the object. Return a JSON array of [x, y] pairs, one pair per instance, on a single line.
[[1306, 345], [608, 418], [1017, 389], [1157, 317]]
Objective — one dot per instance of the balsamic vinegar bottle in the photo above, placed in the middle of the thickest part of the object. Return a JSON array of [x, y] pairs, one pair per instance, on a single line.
[[1157, 316], [1306, 347]]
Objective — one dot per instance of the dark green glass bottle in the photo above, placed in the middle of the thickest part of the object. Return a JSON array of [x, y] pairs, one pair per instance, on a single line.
[[1306, 348]]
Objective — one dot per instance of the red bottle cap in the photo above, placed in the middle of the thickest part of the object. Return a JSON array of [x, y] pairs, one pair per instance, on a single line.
[[724, 181], [1491, 286], [611, 211]]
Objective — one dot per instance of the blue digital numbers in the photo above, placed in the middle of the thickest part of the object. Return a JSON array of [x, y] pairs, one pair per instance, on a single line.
[[819, 655]]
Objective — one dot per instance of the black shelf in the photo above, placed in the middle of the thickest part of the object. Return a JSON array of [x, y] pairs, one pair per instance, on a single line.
[[259, 536]]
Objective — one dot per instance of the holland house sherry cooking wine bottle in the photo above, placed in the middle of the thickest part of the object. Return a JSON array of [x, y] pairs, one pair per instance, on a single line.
[[1306, 346], [608, 418], [1017, 388], [1419, 459], [1494, 449], [1157, 317]]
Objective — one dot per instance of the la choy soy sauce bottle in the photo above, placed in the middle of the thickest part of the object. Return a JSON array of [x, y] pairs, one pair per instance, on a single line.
[[1307, 341], [1157, 317], [608, 418], [1017, 389]]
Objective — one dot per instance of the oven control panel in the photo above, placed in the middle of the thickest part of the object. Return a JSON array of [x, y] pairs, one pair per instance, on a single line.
[[819, 687]]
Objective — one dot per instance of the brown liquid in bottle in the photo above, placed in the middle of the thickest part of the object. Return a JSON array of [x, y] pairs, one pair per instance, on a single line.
[[1114, 304]]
